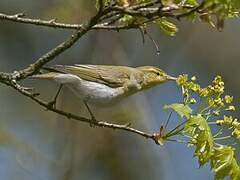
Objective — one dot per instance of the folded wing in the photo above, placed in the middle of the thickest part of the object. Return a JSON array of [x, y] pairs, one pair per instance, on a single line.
[[112, 76]]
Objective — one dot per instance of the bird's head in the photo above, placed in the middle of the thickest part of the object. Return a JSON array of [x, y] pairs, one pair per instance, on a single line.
[[154, 76]]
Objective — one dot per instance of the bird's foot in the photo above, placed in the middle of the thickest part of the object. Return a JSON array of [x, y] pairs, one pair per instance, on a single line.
[[52, 104], [93, 121]]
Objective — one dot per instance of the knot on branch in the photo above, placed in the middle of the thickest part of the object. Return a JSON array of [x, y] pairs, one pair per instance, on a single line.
[[19, 15], [14, 76]]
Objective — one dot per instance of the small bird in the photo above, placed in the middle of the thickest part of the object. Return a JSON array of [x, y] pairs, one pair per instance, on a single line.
[[104, 84]]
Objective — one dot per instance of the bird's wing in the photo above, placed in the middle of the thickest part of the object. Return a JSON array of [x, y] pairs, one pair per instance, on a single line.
[[108, 75]]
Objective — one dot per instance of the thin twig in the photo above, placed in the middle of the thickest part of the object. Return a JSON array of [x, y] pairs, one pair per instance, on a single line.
[[153, 41]]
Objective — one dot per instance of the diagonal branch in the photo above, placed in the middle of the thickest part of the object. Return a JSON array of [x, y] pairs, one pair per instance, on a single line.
[[53, 24], [145, 10], [35, 67], [68, 115]]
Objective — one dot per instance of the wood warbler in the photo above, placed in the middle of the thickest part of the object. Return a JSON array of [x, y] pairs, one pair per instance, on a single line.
[[105, 84]]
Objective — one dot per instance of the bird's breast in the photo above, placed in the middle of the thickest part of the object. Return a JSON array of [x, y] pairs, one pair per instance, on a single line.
[[97, 93]]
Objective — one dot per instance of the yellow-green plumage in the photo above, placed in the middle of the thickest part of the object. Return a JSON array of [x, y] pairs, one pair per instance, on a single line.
[[112, 76], [106, 83]]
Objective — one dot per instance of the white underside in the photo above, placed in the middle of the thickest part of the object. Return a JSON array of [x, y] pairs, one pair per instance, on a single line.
[[91, 92]]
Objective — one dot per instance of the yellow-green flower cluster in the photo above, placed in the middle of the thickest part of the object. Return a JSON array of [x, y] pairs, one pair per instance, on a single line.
[[183, 81], [228, 99], [236, 134], [212, 92], [217, 102], [236, 131], [217, 85], [228, 120], [230, 108], [204, 92]]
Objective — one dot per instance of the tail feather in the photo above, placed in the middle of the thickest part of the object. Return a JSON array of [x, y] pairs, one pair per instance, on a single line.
[[50, 76]]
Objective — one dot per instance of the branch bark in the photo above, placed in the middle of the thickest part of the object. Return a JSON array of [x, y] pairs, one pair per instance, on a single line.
[[143, 10]]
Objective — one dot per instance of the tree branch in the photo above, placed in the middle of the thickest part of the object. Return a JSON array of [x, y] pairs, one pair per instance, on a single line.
[[125, 127], [51, 23], [147, 10], [35, 67]]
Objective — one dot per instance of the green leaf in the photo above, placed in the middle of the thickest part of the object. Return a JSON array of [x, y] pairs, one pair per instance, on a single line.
[[181, 109], [197, 127], [192, 17], [191, 2], [167, 27], [127, 19], [224, 164]]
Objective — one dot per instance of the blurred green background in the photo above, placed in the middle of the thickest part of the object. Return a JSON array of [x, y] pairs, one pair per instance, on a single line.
[[36, 144]]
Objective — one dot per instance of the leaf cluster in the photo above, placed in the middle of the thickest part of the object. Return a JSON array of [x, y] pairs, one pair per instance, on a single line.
[[210, 106]]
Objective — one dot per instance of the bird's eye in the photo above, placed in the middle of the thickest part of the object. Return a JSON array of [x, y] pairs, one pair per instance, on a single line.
[[158, 73]]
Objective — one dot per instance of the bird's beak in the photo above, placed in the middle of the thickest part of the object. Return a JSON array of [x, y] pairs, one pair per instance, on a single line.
[[171, 78]]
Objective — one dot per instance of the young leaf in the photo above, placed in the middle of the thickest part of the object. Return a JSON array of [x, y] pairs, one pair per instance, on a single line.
[[200, 132], [181, 109], [224, 163], [167, 27], [191, 2]]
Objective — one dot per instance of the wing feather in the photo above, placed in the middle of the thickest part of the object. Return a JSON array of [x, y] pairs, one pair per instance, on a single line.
[[111, 76]]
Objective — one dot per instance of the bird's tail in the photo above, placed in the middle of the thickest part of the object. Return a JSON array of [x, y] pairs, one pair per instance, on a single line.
[[51, 73], [49, 76]]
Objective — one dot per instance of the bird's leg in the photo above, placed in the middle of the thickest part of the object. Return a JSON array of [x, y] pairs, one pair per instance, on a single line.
[[54, 101], [93, 119]]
